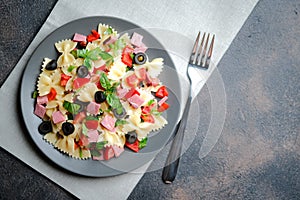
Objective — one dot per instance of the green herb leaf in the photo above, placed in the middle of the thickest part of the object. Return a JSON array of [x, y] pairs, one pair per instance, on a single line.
[[105, 83], [95, 152], [80, 152], [91, 118], [108, 31], [70, 68], [120, 122], [84, 129], [114, 101], [88, 63], [150, 102], [74, 53], [35, 94], [94, 54], [100, 145], [72, 108], [143, 143], [82, 53], [155, 112]]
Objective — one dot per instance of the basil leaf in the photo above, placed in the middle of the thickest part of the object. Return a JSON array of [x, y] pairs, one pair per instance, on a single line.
[[72, 108], [150, 102], [82, 53], [70, 68], [108, 31], [100, 145], [95, 152], [105, 83], [88, 63], [84, 129], [114, 101], [143, 143], [120, 122], [91, 118], [94, 54]]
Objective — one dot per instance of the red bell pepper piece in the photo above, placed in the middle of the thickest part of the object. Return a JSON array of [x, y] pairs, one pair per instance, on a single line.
[[134, 146], [148, 118], [64, 79], [162, 92], [126, 58], [164, 106], [52, 94]]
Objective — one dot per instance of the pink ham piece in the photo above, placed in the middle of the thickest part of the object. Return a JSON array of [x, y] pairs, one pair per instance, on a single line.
[[151, 81], [117, 150], [93, 136], [40, 110], [136, 101], [79, 38], [58, 117], [163, 100], [42, 99], [121, 92], [110, 40], [141, 49], [136, 40], [93, 108], [109, 123]]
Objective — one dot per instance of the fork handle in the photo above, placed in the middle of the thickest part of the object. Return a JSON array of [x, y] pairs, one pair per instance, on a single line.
[[172, 162]]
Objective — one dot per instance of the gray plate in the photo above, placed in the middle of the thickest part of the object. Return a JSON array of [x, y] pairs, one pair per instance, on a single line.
[[128, 160]]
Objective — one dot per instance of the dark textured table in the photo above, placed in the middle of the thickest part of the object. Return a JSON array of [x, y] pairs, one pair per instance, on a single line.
[[258, 153]]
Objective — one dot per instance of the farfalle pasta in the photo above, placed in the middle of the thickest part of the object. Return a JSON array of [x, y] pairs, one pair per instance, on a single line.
[[100, 95]]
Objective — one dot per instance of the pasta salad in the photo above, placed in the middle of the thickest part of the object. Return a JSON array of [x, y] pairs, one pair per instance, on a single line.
[[100, 95]]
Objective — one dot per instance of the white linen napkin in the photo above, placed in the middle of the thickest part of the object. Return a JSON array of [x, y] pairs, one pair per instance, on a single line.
[[223, 18]]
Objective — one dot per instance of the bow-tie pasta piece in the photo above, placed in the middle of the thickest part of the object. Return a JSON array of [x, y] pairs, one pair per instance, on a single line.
[[65, 47]]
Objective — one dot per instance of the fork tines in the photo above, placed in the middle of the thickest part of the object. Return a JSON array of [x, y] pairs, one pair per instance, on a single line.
[[201, 54]]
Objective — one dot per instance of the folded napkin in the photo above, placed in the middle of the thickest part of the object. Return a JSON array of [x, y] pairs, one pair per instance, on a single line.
[[186, 18]]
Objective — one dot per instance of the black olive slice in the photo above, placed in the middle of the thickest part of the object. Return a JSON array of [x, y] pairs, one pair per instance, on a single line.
[[51, 65], [131, 137], [82, 71], [99, 97], [119, 115], [140, 58], [45, 127], [68, 128]]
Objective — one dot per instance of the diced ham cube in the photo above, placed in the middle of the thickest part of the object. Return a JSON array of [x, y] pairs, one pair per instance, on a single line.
[[40, 110], [136, 39], [141, 73], [109, 123], [117, 150], [79, 37], [42, 99], [141, 49], [132, 80], [131, 92], [93, 108], [121, 92], [136, 101], [151, 81], [93, 136], [110, 40], [58, 117], [163, 100], [108, 153]]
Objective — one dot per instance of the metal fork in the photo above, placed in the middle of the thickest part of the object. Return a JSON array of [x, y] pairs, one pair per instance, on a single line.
[[200, 58]]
